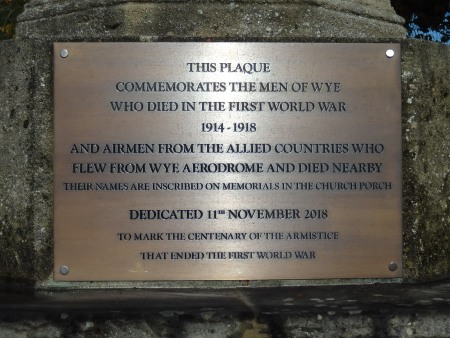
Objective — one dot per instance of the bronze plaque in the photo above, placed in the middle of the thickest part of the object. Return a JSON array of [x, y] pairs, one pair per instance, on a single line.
[[227, 161]]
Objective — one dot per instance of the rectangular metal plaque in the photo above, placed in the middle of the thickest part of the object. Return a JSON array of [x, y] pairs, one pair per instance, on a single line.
[[200, 161]]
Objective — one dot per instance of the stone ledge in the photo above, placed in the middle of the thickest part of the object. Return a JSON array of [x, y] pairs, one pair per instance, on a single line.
[[118, 20], [340, 299], [381, 10]]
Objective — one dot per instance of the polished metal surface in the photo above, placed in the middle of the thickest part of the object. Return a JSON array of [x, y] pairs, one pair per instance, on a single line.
[[64, 53], [199, 161]]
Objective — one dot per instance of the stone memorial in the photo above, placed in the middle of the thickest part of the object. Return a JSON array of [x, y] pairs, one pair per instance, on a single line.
[[287, 101]]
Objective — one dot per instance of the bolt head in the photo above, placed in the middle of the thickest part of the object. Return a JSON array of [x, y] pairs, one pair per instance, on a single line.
[[64, 53], [392, 266], [64, 270]]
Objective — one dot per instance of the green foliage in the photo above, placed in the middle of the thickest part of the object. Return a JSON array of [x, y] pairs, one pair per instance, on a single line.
[[9, 10]]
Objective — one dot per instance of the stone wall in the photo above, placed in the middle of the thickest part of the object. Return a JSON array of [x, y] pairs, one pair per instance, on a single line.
[[401, 308], [249, 20], [26, 161], [26, 208], [426, 159], [210, 324], [26, 116]]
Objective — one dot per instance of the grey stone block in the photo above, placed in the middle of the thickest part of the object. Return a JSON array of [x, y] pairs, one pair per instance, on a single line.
[[26, 113]]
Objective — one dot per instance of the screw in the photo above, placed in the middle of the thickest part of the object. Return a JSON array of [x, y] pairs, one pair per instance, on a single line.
[[64, 53], [392, 266], [390, 53], [64, 270]]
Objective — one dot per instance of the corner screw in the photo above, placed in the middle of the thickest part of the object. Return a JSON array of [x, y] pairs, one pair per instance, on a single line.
[[64, 270], [392, 266], [390, 53], [64, 53]]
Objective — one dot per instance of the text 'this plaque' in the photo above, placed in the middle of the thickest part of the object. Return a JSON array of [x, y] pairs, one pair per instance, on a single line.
[[227, 161]]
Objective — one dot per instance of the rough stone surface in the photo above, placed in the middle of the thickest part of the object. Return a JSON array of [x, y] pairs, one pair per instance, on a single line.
[[26, 113], [396, 310], [378, 9], [14, 175], [216, 309], [312, 20], [426, 159], [26, 90], [26, 161], [210, 324]]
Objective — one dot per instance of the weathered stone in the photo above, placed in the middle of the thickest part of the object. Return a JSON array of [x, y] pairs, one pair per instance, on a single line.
[[372, 324], [26, 161], [426, 159], [345, 311], [15, 189], [223, 308], [26, 113], [311, 20]]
